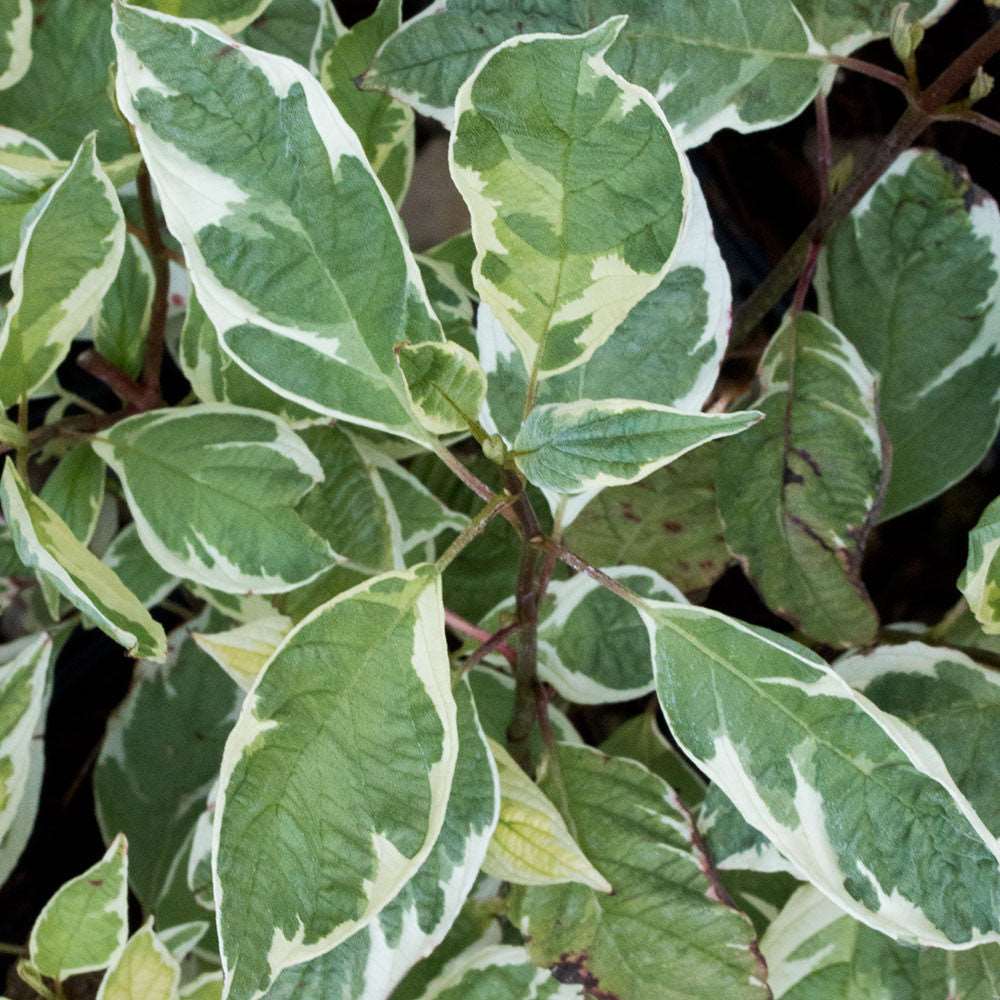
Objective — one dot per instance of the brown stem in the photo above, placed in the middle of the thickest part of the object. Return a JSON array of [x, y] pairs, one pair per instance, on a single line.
[[140, 234], [494, 644], [971, 118], [82, 424], [494, 640], [161, 270], [896, 80], [919, 114], [124, 387]]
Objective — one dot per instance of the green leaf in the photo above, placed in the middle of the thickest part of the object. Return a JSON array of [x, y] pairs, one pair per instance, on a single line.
[[814, 950], [182, 939], [307, 297], [568, 239], [742, 64], [382, 124], [592, 646], [457, 253], [446, 385], [669, 522], [312, 837], [24, 682], [20, 187], [216, 378], [71, 247], [75, 490], [857, 800], [242, 651], [913, 274], [369, 964], [846, 27], [661, 933], [298, 29], [64, 95], [83, 927], [45, 543], [122, 323], [980, 581], [531, 844], [733, 843], [15, 40], [800, 492], [10, 433], [137, 569], [208, 986], [491, 971], [160, 755], [949, 699], [145, 970], [230, 15], [452, 301], [574, 447], [640, 739], [211, 487]]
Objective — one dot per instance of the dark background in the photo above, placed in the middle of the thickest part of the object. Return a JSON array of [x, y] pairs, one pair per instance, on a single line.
[[762, 192]]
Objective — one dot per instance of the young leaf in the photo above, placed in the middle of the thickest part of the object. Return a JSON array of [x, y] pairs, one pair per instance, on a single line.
[[75, 490], [862, 804], [15, 40], [160, 755], [45, 544], [574, 447], [299, 29], [742, 64], [24, 679], [70, 251], [669, 522], [122, 322], [949, 699], [369, 964], [83, 927], [64, 95], [913, 274], [145, 970], [557, 158], [496, 972], [242, 651], [980, 582], [208, 986], [211, 487], [636, 942], [316, 323], [317, 828], [445, 383], [383, 124], [799, 492], [813, 949], [531, 844], [592, 646], [667, 350], [230, 15], [137, 569], [845, 28], [181, 939]]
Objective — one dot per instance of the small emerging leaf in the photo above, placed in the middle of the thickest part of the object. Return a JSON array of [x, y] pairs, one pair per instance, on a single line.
[[980, 582], [242, 651], [446, 385], [145, 970]]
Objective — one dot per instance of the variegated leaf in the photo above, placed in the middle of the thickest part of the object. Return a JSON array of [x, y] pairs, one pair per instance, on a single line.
[[845, 27], [914, 272], [861, 803], [734, 844], [45, 543], [568, 239], [452, 301], [15, 40], [70, 250], [457, 253], [369, 964], [160, 756], [83, 927], [446, 386], [814, 950], [531, 844], [230, 15], [576, 447], [800, 492], [636, 942], [137, 569], [24, 684], [980, 582], [949, 699], [309, 847], [182, 939], [312, 327], [208, 986], [75, 490], [211, 487], [667, 350], [383, 124], [122, 322], [243, 650], [145, 970], [299, 29], [20, 188]]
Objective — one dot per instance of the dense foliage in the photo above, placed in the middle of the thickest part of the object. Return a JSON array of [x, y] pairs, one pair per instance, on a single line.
[[386, 531]]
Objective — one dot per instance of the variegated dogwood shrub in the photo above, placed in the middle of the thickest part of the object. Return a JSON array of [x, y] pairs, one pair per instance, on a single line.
[[387, 532]]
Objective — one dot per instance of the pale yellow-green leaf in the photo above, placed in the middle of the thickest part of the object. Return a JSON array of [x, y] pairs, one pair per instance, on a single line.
[[242, 651], [145, 970]]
